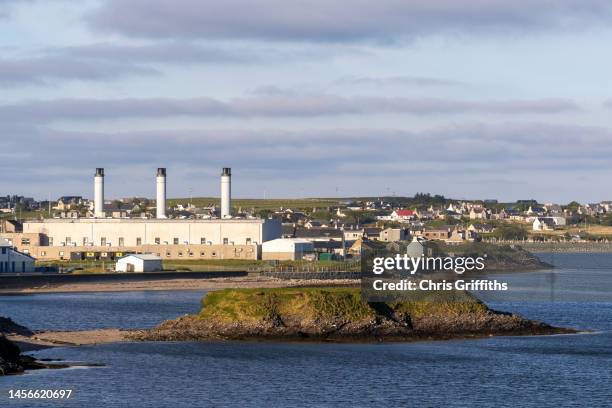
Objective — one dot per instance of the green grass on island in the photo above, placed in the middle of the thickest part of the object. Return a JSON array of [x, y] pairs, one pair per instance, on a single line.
[[316, 303]]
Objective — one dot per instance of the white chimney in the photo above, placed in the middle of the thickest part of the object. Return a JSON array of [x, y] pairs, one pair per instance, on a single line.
[[226, 192], [161, 193], [99, 193]]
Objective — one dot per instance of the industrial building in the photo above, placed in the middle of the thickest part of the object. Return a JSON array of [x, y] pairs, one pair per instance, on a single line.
[[102, 237]]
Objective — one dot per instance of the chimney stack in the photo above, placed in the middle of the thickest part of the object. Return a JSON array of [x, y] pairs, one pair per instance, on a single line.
[[99, 194], [226, 192], [161, 193]]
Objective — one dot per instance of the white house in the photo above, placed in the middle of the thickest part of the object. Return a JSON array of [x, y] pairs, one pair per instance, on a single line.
[[13, 261], [139, 263], [543, 224]]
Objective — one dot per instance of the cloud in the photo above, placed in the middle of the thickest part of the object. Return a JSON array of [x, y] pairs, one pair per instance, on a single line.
[[267, 106], [443, 159], [106, 61], [45, 69], [343, 20], [399, 80]]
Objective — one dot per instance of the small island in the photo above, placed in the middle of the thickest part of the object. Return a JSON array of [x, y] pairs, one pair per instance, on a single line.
[[339, 314]]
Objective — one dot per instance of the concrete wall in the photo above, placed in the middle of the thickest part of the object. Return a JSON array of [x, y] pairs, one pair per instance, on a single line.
[[24, 242]]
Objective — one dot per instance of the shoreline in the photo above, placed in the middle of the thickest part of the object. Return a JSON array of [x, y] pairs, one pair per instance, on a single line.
[[56, 339], [176, 284]]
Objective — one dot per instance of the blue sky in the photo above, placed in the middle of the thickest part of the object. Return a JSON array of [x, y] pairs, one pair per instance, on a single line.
[[471, 99]]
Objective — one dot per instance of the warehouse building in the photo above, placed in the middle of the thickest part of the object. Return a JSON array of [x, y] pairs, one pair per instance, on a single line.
[[139, 263], [287, 249]]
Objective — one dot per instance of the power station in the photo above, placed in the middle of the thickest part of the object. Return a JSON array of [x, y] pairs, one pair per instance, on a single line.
[[100, 236]]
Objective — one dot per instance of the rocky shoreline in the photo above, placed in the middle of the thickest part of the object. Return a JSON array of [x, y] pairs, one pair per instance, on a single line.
[[296, 316], [12, 361]]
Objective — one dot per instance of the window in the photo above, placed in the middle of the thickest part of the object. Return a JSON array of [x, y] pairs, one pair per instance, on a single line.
[[202, 253], [25, 241], [225, 241], [191, 254], [248, 241], [157, 241], [68, 240], [138, 241], [50, 241], [121, 241], [175, 241], [168, 254], [103, 241], [202, 241], [214, 254], [180, 254], [84, 241], [3, 251], [43, 253]]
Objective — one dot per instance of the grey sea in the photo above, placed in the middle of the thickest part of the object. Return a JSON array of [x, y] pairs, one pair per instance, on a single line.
[[540, 371]]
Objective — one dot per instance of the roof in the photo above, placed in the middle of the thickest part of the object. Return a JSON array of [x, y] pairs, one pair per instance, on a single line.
[[546, 220], [144, 257], [318, 232]]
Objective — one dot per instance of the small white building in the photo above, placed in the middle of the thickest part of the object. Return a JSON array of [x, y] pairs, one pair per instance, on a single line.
[[13, 261], [286, 249], [139, 263]]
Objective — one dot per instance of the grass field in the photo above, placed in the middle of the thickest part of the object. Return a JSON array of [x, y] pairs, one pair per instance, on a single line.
[[269, 204]]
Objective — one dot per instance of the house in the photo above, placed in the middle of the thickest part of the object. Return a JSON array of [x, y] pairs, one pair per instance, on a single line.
[[543, 224], [441, 234], [13, 261], [68, 203], [415, 249], [316, 224], [402, 215], [457, 235], [139, 263], [392, 235], [478, 213], [372, 233], [353, 234]]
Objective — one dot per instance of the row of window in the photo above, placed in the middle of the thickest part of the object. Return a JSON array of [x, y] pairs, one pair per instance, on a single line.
[[103, 241]]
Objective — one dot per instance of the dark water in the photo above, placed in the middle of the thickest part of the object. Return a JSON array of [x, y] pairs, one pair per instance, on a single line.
[[545, 371], [84, 311]]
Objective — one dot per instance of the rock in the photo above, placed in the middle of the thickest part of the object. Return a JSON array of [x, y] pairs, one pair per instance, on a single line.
[[10, 357], [338, 314]]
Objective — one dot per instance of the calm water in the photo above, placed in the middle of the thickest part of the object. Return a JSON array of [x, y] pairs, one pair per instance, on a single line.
[[551, 371]]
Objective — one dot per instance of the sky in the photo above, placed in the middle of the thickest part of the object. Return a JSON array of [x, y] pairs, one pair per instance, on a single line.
[[478, 99]]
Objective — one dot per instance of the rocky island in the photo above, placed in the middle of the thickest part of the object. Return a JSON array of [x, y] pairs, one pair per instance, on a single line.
[[340, 314]]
